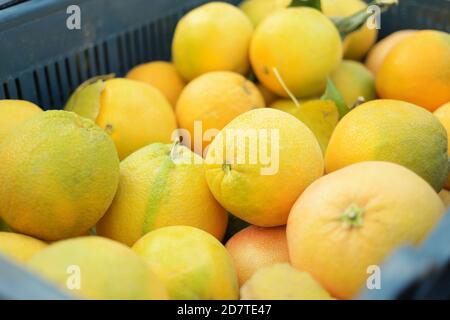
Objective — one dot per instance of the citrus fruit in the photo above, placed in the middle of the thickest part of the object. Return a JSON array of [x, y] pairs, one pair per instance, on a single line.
[[258, 10], [268, 96], [13, 113], [161, 185], [254, 247], [302, 44], [58, 175], [98, 268], [320, 116], [445, 197], [395, 131], [354, 81], [192, 263], [352, 218], [381, 49], [205, 37], [417, 70], [260, 163], [162, 75], [19, 246], [211, 101], [358, 43], [133, 113], [443, 115], [282, 282]]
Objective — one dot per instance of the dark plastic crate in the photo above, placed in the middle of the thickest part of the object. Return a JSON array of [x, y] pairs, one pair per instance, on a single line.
[[42, 61]]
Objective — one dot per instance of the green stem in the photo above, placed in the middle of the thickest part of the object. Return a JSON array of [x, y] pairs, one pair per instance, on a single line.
[[347, 25], [333, 94], [283, 84], [352, 217], [175, 145], [359, 100]]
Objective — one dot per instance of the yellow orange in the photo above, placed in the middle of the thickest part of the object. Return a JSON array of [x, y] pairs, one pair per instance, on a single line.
[[302, 44], [395, 131], [161, 185], [19, 246], [353, 218], [417, 70], [58, 175], [13, 113], [258, 10], [133, 113], [212, 101], [162, 75], [205, 37], [98, 268], [257, 178], [358, 43], [354, 81], [282, 282], [192, 263]]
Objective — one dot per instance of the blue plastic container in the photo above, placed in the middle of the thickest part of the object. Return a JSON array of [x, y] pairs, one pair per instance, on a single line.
[[42, 61]]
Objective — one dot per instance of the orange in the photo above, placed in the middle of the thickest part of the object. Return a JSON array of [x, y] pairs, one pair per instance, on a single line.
[[19, 246], [98, 268], [302, 44], [133, 113], [213, 100], [192, 263], [254, 248], [380, 50], [161, 185], [260, 163], [58, 175], [258, 10], [162, 75], [443, 115], [212, 37], [13, 113], [282, 282], [353, 218], [354, 81], [358, 43], [395, 131], [417, 70]]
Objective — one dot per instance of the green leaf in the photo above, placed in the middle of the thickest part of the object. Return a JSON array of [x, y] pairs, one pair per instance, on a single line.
[[332, 93], [347, 25], [85, 101], [306, 3]]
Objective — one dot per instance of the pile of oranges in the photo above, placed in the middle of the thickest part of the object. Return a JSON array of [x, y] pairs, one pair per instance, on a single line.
[[278, 156]]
